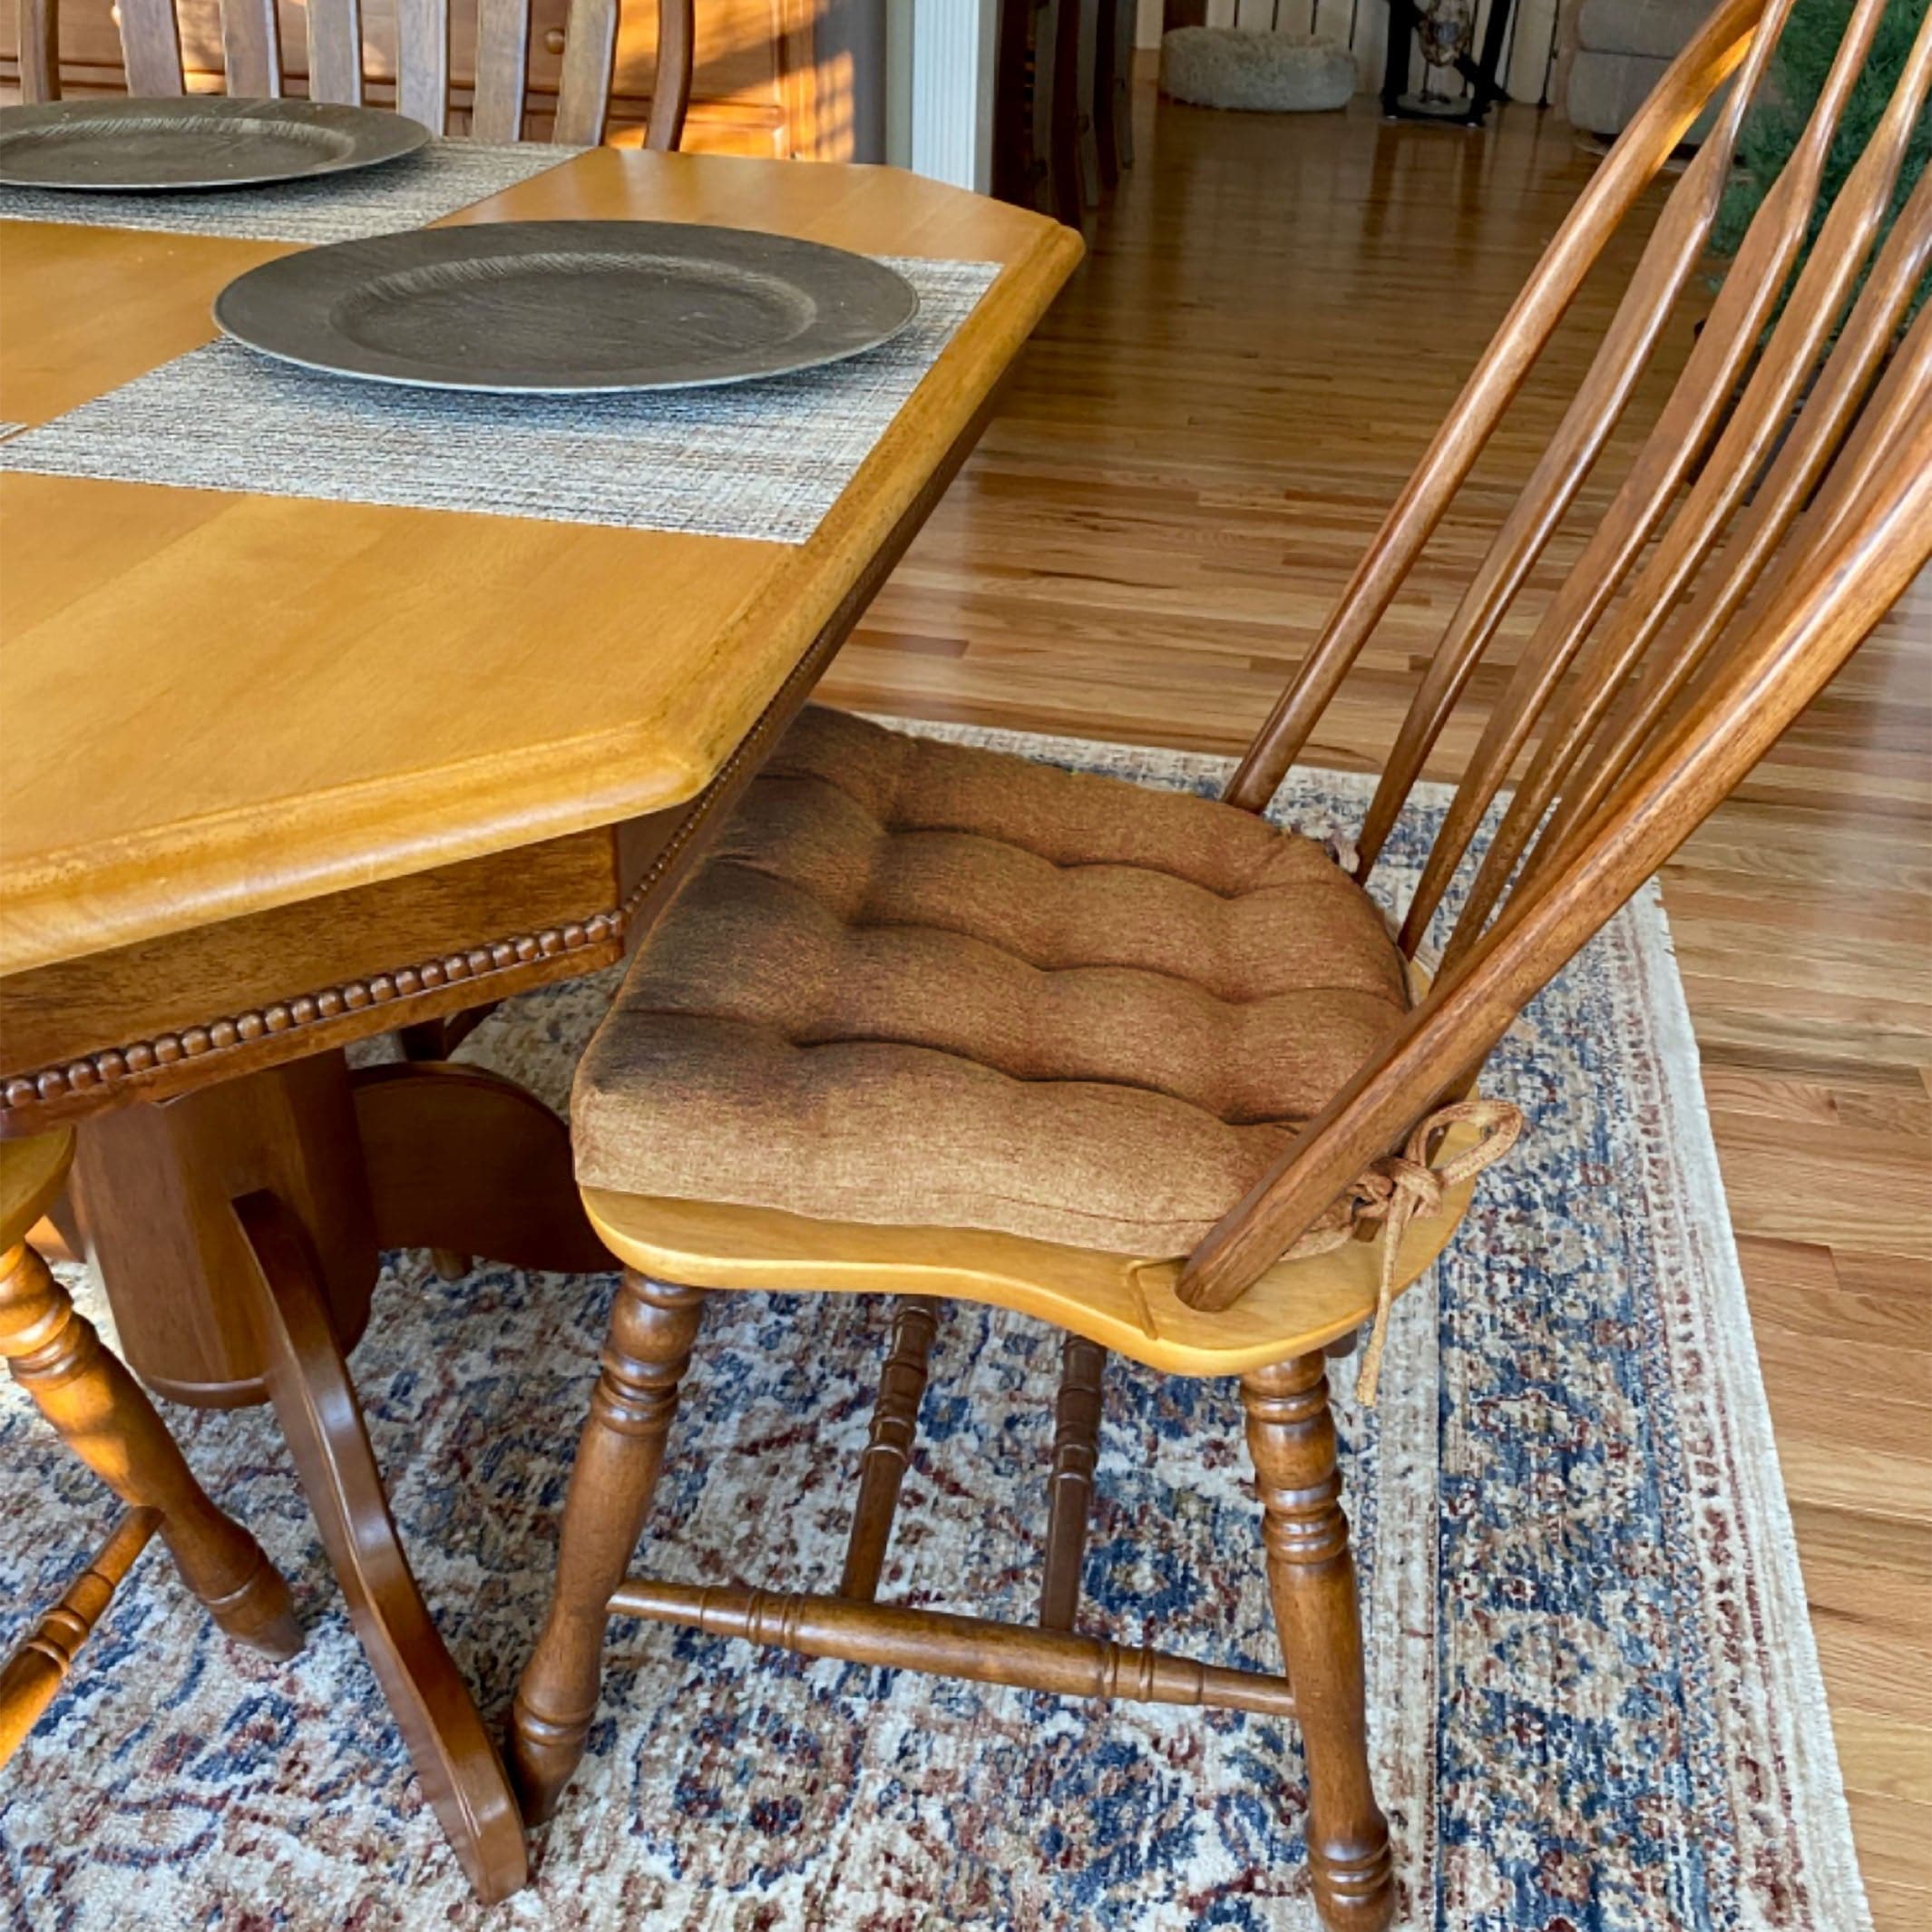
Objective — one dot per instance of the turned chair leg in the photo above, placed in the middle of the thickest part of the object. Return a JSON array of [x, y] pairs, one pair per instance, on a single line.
[[31, 1679], [652, 1328], [1311, 1579], [101, 1414], [1076, 1457], [889, 1445]]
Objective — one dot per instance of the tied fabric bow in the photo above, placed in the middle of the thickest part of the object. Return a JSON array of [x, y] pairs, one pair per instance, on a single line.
[[1398, 1188]]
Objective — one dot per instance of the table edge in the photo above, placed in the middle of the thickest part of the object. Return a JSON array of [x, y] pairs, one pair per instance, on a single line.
[[202, 871]]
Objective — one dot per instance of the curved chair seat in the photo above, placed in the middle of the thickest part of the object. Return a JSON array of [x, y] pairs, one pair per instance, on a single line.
[[916, 982], [1125, 1304]]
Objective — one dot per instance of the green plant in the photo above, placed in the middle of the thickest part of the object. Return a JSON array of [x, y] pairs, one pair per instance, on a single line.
[[1772, 128]]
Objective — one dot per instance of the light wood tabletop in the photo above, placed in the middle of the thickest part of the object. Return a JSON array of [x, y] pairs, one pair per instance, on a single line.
[[221, 702]]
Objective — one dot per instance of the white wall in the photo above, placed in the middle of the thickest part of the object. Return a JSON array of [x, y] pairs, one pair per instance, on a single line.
[[1147, 22], [939, 89]]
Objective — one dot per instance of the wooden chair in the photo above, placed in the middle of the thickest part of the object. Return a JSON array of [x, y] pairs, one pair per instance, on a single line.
[[1114, 90], [251, 48], [100, 1412], [1046, 151], [936, 1023]]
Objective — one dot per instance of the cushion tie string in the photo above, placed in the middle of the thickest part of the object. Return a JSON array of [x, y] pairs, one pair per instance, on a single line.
[[1398, 1188]]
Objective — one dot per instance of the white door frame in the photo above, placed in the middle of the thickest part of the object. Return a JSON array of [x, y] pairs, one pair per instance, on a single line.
[[939, 89]]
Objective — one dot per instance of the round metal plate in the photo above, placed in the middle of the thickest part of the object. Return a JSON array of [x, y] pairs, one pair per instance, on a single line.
[[198, 142], [564, 307]]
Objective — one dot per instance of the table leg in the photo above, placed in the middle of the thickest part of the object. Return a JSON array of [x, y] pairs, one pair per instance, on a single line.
[[436, 1040], [315, 1403], [238, 1228], [155, 1181]]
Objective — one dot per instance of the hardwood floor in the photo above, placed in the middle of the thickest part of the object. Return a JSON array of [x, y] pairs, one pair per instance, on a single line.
[[1277, 312]]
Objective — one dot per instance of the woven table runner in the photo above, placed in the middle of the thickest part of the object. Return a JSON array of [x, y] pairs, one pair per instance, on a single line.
[[764, 460], [420, 188]]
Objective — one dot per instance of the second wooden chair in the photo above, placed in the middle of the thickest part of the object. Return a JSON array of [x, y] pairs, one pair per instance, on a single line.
[[99, 1410], [254, 62]]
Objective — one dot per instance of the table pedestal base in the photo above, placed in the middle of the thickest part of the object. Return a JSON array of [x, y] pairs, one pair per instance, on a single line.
[[154, 1184], [238, 1228], [315, 1401]]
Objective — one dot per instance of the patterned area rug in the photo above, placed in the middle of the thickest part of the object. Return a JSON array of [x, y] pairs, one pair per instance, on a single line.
[[1595, 1701]]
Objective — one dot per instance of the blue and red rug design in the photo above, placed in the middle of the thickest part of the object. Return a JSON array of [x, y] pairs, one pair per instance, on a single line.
[[1596, 1706]]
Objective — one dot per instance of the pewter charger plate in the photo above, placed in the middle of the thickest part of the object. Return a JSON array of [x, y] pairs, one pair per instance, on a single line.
[[568, 307], [198, 142]]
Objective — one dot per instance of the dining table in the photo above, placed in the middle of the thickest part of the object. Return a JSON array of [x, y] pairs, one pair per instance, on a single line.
[[288, 767]]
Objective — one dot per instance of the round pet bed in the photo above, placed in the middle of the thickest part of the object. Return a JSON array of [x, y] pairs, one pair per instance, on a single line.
[[1273, 73]]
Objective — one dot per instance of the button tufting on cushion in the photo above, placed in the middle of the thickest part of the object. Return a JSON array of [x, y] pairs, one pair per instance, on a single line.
[[923, 984]]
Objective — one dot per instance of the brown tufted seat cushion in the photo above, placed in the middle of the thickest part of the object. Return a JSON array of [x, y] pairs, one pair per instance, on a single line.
[[921, 984]]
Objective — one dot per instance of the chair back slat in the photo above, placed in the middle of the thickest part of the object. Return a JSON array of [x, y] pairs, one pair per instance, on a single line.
[[40, 55], [1759, 419], [1712, 54], [1773, 510], [503, 69], [151, 47], [1878, 541], [1829, 422], [423, 62], [670, 84], [1893, 415], [1683, 427], [1672, 251], [334, 51], [251, 55], [1821, 541], [589, 57], [251, 48]]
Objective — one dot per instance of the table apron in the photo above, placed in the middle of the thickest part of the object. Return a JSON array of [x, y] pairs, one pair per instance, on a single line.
[[170, 1016]]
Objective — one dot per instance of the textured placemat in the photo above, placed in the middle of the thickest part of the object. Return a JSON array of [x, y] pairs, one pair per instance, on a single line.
[[423, 187], [763, 460]]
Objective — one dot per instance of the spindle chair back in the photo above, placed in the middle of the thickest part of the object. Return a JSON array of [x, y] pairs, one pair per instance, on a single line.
[[1745, 511], [253, 64], [1777, 505]]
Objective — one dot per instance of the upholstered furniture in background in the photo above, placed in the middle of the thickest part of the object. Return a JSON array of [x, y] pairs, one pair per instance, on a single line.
[[1620, 50]]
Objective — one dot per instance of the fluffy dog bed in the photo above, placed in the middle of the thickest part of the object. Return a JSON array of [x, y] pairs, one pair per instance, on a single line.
[[1275, 74]]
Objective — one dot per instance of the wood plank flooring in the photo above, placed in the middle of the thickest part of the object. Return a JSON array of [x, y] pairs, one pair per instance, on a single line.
[[1277, 312]]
